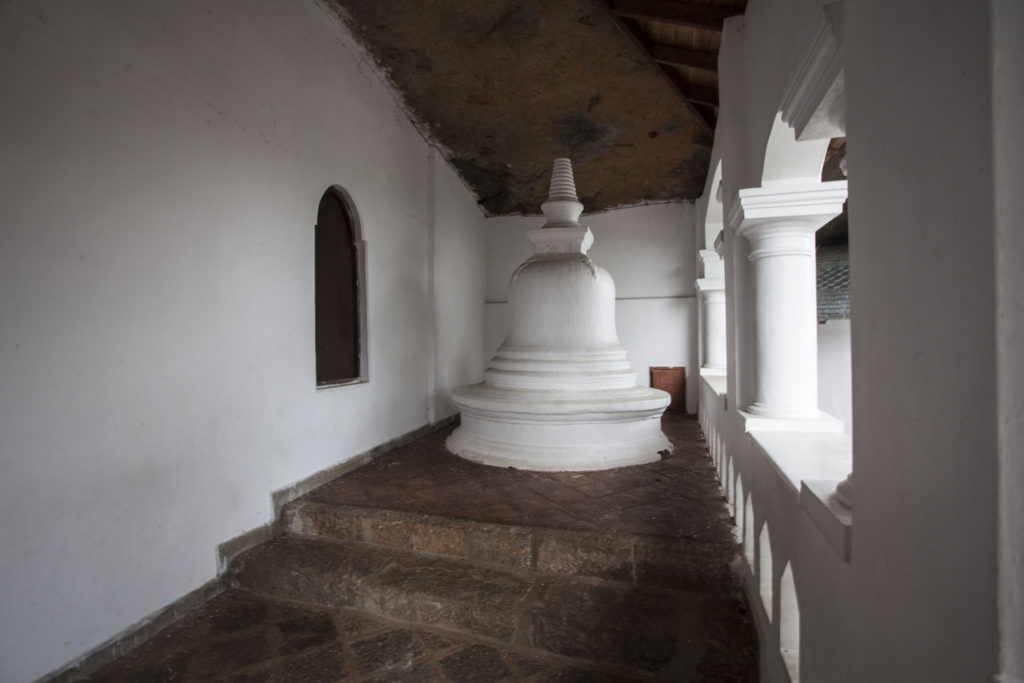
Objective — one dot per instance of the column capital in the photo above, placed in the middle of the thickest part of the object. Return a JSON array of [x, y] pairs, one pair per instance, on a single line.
[[711, 264], [720, 243], [797, 206]]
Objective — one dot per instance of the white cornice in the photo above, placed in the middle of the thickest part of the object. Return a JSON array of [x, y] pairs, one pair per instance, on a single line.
[[814, 101], [812, 204]]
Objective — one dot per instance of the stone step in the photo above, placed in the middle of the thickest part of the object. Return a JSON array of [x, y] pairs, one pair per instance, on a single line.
[[666, 633], [655, 561]]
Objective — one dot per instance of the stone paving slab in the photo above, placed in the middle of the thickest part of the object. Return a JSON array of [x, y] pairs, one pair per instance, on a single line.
[[239, 637]]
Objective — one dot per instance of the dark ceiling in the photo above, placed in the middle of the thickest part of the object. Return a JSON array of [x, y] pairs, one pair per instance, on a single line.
[[627, 89]]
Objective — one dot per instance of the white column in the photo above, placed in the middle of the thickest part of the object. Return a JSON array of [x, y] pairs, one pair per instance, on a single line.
[[780, 222], [712, 302], [712, 294]]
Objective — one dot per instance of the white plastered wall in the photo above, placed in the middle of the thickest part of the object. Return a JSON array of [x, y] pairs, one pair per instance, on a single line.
[[925, 455], [161, 171], [460, 272], [649, 252], [1008, 139]]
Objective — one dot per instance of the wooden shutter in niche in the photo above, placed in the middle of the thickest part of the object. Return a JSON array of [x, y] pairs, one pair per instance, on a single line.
[[337, 310]]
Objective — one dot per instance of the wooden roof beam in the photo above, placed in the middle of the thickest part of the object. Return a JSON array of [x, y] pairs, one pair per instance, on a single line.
[[684, 14], [677, 56]]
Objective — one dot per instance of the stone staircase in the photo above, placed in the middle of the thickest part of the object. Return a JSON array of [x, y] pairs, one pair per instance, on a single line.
[[423, 567]]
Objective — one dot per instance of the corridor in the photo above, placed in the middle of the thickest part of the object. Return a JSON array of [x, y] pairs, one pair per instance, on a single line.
[[421, 566]]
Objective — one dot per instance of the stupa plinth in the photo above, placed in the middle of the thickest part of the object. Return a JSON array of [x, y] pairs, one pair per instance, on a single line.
[[560, 394]]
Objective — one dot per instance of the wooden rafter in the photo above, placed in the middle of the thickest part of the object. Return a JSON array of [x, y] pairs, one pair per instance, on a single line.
[[677, 56], [684, 14], [695, 93]]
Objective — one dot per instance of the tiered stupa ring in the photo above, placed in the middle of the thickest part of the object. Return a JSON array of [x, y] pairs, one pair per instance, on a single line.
[[560, 394]]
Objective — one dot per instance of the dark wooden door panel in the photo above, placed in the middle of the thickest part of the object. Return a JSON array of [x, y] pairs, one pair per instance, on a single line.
[[672, 380]]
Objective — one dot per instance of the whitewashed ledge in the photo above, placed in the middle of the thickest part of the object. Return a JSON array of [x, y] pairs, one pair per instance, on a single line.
[[811, 457], [813, 463]]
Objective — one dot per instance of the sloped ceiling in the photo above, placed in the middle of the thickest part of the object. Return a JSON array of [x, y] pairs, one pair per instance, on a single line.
[[504, 86]]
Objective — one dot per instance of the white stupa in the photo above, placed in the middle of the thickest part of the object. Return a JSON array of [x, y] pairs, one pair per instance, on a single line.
[[560, 394]]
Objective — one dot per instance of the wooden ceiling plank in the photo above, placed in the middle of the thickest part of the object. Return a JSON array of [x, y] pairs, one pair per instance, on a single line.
[[677, 56], [697, 16]]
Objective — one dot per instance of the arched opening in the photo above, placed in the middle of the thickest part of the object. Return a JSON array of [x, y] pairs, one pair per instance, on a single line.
[[748, 531], [727, 479], [789, 623], [737, 506], [764, 569], [788, 160], [340, 292]]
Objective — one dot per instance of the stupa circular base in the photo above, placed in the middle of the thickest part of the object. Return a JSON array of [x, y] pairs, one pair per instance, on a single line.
[[558, 431]]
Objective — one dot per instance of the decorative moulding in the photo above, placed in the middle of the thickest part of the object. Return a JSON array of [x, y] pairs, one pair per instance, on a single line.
[[711, 285], [814, 100], [569, 240], [711, 263]]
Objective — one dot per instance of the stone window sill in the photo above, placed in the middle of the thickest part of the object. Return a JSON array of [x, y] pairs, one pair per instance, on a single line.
[[342, 383]]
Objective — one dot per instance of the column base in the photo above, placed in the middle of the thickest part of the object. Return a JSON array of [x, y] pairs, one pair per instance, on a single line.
[[844, 492], [762, 410], [820, 423]]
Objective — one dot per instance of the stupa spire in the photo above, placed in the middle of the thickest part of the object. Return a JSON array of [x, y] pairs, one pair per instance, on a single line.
[[563, 208], [563, 185]]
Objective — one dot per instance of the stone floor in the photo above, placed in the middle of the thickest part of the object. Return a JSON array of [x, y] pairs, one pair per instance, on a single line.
[[424, 567]]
